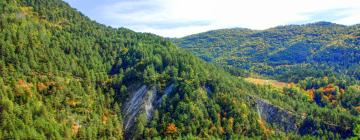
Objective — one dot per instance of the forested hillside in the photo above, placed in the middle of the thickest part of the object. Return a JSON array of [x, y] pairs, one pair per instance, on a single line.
[[320, 62], [64, 76], [287, 53]]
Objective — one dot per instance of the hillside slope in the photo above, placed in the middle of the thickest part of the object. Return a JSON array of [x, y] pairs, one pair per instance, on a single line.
[[64, 76], [287, 53]]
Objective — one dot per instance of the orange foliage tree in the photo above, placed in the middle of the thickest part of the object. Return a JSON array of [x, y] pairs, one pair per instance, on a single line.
[[171, 129]]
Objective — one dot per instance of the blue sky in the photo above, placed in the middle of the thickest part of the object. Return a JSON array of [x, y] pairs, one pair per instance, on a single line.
[[177, 18]]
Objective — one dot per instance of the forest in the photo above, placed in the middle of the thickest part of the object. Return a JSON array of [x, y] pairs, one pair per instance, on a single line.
[[65, 76], [287, 53]]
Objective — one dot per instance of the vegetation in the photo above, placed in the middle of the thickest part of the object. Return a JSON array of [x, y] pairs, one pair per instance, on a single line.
[[314, 96], [286, 53], [321, 58], [64, 76]]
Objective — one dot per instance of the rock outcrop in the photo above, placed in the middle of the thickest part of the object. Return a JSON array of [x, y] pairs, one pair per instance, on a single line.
[[279, 117], [142, 99]]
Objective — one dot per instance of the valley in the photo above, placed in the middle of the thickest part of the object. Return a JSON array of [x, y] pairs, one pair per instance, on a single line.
[[66, 76]]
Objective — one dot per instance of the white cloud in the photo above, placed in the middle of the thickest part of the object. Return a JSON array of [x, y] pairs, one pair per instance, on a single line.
[[176, 18]]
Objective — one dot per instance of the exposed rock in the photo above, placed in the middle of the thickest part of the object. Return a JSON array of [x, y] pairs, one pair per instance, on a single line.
[[289, 121], [276, 116], [133, 106], [143, 99], [149, 103], [167, 91]]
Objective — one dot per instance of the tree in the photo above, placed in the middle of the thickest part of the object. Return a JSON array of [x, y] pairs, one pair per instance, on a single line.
[[171, 129], [140, 126], [357, 131]]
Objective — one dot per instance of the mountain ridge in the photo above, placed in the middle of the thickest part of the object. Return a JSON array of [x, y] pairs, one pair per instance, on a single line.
[[64, 76], [277, 46]]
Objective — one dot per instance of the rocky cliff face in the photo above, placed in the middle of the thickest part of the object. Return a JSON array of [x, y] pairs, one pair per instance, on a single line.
[[142, 99], [288, 121], [274, 115]]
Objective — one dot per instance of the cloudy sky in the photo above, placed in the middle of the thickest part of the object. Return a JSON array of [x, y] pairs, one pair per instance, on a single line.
[[177, 18]]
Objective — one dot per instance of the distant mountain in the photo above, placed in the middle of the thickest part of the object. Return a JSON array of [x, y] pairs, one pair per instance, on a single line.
[[64, 76], [287, 53]]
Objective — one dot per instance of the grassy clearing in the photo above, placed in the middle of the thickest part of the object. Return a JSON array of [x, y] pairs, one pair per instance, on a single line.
[[273, 83]]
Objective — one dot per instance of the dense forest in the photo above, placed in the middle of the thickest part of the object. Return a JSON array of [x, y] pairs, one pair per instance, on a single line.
[[287, 53], [64, 76]]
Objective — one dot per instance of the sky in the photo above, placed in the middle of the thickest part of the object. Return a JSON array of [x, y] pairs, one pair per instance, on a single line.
[[178, 18]]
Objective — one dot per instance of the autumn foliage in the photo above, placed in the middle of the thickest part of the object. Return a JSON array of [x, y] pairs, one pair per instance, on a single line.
[[171, 129], [75, 128]]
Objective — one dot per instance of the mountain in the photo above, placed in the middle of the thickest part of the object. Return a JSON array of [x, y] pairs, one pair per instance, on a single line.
[[64, 76], [287, 53]]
